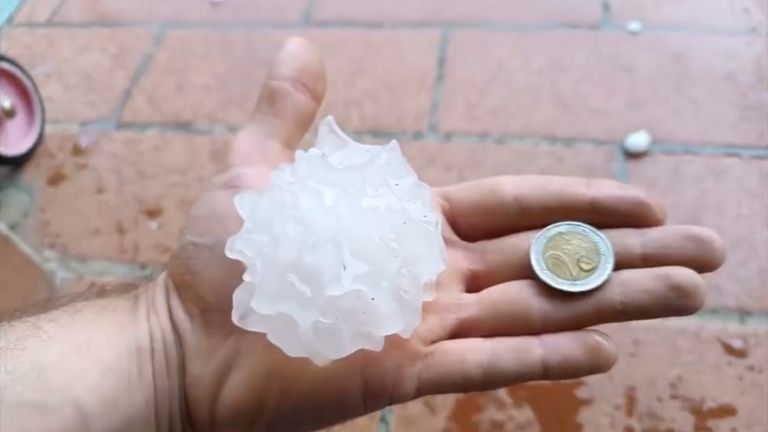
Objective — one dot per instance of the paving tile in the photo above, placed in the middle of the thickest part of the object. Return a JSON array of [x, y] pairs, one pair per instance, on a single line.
[[460, 11], [442, 164], [123, 198], [378, 80], [24, 283], [203, 77], [727, 14], [35, 11], [671, 376], [82, 73], [367, 423], [182, 11], [700, 89], [729, 195]]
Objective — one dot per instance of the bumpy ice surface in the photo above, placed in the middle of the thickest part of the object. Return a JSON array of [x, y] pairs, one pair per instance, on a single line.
[[340, 249]]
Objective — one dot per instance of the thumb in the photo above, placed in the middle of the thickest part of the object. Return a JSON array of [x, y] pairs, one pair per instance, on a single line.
[[288, 103]]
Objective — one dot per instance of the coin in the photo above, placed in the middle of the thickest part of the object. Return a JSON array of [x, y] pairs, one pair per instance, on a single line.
[[572, 256]]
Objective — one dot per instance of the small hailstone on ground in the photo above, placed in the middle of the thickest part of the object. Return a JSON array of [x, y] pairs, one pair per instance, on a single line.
[[340, 249], [634, 26], [638, 143]]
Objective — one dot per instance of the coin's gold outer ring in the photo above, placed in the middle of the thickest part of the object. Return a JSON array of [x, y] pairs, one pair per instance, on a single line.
[[596, 279]]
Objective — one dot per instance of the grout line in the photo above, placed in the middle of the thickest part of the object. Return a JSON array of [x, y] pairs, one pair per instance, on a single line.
[[59, 266], [306, 18], [437, 88], [64, 267], [622, 164], [726, 316], [687, 30], [373, 137], [259, 25], [484, 26], [192, 128], [87, 25], [219, 129], [386, 420], [604, 26], [55, 12], [452, 138], [710, 150], [138, 74], [17, 203], [107, 125], [606, 18]]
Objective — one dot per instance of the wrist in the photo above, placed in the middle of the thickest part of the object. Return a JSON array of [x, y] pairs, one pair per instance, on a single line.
[[108, 364], [159, 311]]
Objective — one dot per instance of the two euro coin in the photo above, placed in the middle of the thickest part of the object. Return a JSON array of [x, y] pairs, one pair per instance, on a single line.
[[572, 257]]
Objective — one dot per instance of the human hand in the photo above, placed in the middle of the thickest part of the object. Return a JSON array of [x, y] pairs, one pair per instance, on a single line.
[[491, 324]]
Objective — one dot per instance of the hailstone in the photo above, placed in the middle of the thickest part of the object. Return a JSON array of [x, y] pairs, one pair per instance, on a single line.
[[340, 249], [638, 143]]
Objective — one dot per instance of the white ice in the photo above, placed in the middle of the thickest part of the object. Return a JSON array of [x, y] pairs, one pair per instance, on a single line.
[[340, 249], [634, 27], [638, 143]]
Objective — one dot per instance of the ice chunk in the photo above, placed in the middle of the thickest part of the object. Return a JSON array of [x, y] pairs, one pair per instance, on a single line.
[[340, 249], [634, 27], [638, 143]]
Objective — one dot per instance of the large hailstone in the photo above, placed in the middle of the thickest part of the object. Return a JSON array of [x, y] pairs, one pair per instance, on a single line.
[[340, 249]]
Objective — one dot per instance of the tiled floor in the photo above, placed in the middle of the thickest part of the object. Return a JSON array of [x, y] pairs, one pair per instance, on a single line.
[[142, 95]]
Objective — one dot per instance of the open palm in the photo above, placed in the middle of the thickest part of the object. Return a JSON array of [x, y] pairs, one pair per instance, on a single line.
[[491, 324]]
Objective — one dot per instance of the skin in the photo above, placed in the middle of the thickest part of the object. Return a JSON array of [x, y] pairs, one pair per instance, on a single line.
[[168, 356]]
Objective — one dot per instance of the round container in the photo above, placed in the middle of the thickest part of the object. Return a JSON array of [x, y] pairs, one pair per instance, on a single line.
[[22, 115]]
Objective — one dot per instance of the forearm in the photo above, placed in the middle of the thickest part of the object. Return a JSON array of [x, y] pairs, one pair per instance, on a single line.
[[108, 365]]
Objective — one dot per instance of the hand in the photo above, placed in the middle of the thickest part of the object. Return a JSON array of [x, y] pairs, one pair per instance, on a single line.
[[491, 325]]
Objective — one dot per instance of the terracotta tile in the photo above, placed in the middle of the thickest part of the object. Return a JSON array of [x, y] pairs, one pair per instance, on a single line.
[[441, 164], [35, 11], [367, 423], [683, 375], [450, 11], [182, 10], [431, 413], [671, 376], [682, 88], [730, 196], [123, 198], [82, 73], [24, 283], [377, 79], [730, 14], [199, 76]]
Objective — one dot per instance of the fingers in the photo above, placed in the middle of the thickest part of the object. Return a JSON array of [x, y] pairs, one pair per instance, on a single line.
[[287, 105], [498, 206], [478, 364], [527, 307], [506, 258]]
